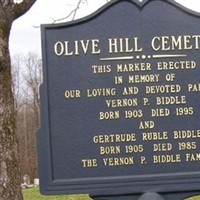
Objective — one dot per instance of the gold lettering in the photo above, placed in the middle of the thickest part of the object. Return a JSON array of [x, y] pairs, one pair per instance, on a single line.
[[66, 48], [182, 146], [137, 49], [124, 45], [165, 43], [121, 103], [136, 67], [133, 114], [187, 42], [162, 112], [111, 115], [89, 163], [70, 94], [112, 138], [110, 150], [118, 161], [176, 42], [183, 42], [155, 44], [194, 87], [113, 45], [130, 91], [193, 157], [162, 147], [146, 125], [157, 159], [186, 134], [95, 47], [146, 102], [183, 65], [163, 89], [142, 160], [171, 100], [151, 78], [151, 136], [100, 69], [101, 92], [196, 38]]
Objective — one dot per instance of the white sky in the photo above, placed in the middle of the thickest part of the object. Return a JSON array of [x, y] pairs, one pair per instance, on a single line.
[[25, 37]]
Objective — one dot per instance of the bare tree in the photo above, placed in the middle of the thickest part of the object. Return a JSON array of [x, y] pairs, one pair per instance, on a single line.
[[26, 133], [27, 77], [9, 167], [10, 189], [17, 81], [33, 79]]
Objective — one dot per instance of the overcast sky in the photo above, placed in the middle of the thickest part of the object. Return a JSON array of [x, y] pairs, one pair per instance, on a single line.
[[25, 33]]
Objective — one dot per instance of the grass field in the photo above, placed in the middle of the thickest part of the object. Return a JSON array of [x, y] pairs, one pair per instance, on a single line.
[[34, 194], [194, 198]]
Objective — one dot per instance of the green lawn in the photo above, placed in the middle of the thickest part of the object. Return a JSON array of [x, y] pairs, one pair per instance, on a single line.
[[194, 198], [34, 194]]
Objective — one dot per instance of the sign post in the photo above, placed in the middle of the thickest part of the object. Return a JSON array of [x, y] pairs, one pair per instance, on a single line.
[[120, 103]]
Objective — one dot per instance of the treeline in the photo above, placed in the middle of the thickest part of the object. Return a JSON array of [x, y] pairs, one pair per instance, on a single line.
[[27, 77]]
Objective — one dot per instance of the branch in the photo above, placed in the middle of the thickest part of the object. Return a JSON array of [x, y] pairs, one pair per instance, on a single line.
[[19, 9], [72, 13]]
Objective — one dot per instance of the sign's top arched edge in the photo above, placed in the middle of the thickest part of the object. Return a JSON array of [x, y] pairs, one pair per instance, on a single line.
[[139, 3]]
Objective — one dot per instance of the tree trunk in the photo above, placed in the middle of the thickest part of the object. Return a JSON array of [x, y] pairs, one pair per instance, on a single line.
[[9, 163]]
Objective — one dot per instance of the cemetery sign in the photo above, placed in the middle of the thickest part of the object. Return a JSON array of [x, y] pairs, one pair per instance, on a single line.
[[121, 101]]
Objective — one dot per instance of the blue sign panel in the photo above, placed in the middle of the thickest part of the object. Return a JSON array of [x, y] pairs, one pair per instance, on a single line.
[[120, 101]]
